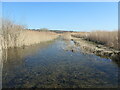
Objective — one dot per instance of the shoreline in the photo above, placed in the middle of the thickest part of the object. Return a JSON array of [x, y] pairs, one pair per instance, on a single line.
[[94, 48]]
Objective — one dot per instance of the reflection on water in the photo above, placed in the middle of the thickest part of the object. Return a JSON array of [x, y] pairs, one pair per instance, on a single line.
[[50, 65]]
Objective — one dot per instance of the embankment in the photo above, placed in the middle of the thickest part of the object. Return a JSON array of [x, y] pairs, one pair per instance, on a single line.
[[107, 38], [94, 48]]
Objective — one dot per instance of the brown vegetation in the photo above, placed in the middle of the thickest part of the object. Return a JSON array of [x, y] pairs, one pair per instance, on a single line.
[[108, 38], [66, 36], [14, 35]]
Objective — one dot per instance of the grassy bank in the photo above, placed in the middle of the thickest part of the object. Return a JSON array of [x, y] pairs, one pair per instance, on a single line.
[[14, 35], [107, 38]]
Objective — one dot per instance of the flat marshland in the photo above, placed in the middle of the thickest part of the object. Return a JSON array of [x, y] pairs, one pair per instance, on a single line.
[[46, 59]]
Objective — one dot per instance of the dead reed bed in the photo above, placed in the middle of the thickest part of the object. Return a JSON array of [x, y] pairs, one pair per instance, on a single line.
[[34, 37], [108, 38], [15, 35], [66, 36]]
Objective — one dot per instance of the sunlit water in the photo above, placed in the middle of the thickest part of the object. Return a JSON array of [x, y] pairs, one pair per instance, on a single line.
[[50, 65]]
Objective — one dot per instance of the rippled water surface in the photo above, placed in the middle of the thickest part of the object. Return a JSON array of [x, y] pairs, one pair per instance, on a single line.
[[52, 64]]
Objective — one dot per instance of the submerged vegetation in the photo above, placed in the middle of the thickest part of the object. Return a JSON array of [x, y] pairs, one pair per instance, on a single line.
[[55, 64], [48, 65]]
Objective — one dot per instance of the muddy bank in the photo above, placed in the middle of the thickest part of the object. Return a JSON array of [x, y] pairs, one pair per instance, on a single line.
[[98, 49]]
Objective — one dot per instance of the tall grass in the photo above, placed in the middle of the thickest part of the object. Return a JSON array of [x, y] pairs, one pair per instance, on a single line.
[[10, 33], [15, 35], [108, 38], [66, 36]]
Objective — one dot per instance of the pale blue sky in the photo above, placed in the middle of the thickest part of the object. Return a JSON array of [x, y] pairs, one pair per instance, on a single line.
[[76, 16]]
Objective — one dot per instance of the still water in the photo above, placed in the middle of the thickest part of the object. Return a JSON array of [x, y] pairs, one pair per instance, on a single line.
[[52, 65]]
